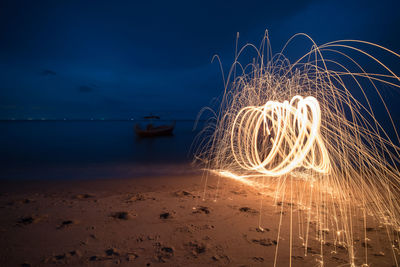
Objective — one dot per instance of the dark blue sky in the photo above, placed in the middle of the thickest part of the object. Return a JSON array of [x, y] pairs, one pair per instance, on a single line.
[[122, 59]]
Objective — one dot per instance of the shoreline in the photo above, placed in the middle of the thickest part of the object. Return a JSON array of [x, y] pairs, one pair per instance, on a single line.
[[94, 171]]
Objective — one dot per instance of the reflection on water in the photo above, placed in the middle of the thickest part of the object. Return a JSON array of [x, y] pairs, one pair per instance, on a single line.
[[50, 148]]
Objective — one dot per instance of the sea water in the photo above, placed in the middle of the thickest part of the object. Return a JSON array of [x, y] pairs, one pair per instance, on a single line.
[[90, 149]]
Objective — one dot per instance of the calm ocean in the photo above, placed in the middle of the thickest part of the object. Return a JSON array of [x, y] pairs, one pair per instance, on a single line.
[[90, 149]]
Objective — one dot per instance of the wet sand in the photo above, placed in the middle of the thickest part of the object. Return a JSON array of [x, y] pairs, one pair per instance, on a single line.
[[159, 221]]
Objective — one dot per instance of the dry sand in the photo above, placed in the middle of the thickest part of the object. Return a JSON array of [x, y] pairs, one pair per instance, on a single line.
[[150, 221]]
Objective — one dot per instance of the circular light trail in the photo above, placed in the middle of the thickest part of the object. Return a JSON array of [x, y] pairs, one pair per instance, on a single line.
[[278, 137]]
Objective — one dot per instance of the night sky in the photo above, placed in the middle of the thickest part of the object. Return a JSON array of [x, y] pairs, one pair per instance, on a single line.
[[126, 59]]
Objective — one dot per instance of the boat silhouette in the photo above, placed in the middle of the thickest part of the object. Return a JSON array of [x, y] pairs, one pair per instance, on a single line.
[[153, 131]]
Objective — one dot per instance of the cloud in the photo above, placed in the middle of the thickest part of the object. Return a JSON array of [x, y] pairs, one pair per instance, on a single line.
[[48, 73]]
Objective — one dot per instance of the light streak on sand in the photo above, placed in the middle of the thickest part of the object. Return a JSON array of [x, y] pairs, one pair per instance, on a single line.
[[306, 133]]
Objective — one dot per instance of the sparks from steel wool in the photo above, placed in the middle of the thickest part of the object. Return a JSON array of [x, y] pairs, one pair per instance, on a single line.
[[297, 132]]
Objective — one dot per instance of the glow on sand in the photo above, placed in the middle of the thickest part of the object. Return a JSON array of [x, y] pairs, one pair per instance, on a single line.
[[306, 133]]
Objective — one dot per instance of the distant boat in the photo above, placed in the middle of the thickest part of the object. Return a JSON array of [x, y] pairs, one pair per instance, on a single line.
[[153, 131], [152, 117]]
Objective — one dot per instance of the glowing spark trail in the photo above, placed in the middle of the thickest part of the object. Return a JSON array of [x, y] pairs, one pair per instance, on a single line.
[[289, 133], [306, 133]]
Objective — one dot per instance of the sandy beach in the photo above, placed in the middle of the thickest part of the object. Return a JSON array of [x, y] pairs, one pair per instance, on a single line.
[[200, 133], [152, 221]]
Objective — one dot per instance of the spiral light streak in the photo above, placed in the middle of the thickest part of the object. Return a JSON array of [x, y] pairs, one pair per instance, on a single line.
[[306, 133], [286, 135]]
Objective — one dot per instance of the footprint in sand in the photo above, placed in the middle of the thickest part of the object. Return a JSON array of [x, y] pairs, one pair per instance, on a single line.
[[221, 258], [202, 209], [26, 201], [167, 215], [196, 248], [63, 258], [26, 220], [258, 259], [311, 251], [138, 197], [248, 210], [84, 196], [66, 223], [112, 252], [95, 258], [131, 256], [264, 242], [122, 215], [240, 192], [164, 253], [182, 193]]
